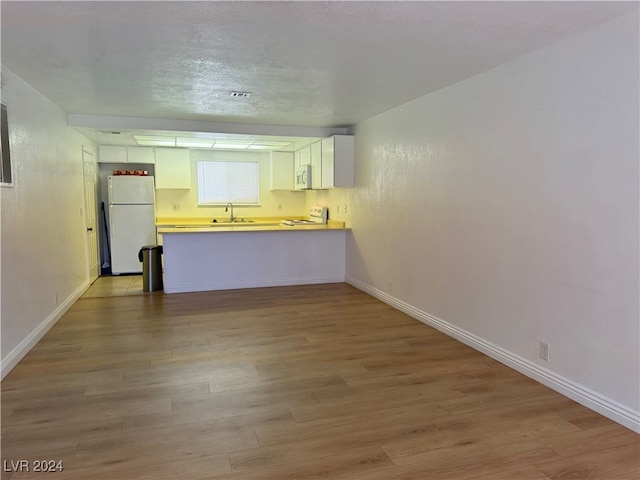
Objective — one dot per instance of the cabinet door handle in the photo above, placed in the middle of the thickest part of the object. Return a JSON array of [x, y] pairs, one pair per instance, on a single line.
[[89, 229]]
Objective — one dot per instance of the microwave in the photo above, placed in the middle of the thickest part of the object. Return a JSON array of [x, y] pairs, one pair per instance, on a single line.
[[303, 178]]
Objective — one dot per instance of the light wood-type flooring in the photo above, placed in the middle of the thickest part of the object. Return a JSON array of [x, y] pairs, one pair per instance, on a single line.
[[115, 286], [305, 382]]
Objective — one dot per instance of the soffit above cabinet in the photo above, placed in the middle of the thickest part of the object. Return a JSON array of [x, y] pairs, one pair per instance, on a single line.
[[299, 138]]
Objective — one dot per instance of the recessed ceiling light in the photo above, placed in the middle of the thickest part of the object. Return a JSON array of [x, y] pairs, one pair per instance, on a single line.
[[257, 146], [240, 94], [195, 142], [268, 145], [153, 140], [230, 146], [156, 143]]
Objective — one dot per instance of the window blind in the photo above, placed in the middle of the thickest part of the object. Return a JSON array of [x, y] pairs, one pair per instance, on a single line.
[[220, 182]]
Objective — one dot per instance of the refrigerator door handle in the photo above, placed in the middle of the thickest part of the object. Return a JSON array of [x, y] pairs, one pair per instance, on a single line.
[[111, 220]]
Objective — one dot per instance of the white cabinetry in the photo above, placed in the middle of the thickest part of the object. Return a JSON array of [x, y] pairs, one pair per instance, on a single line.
[[282, 170], [332, 161], [338, 162], [303, 157], [121, 154], [316, 165], [112, 154], [173, 168], [141, 155]]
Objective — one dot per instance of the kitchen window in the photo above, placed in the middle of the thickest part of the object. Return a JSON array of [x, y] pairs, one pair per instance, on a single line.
[[220, 182]]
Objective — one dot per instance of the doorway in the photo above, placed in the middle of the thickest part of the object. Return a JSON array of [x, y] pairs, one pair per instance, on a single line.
[[90, 202]]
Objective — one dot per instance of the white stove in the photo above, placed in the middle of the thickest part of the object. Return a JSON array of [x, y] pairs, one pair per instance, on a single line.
[[317, 216]]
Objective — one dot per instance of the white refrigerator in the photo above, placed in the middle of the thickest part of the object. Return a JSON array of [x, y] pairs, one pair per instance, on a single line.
[[132, 220]]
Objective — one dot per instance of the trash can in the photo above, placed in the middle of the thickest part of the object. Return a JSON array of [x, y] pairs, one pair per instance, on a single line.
[[150, 256]]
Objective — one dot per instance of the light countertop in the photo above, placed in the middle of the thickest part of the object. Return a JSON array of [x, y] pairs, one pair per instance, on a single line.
[[201, 225], [206, 221], [251, 228]]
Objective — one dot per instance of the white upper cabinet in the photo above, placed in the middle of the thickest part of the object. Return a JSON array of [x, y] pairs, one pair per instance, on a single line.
[[282, 169], [304, 157], [332, 162], [173, 168], [338, 161], [141, 155], [112, 154], [316, 165], [121, 154]]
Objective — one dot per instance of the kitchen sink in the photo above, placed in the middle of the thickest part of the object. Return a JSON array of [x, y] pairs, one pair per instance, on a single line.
[[233, 222], [243, 223]]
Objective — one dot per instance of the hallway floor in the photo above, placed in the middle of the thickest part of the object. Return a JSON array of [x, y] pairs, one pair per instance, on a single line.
[[116, 286]]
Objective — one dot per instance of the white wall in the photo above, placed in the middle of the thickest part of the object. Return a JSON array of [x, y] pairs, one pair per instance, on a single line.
[[44, 253], [275, 203], [504, 210]]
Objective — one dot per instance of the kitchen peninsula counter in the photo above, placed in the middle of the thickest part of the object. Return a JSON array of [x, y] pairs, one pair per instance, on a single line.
[[204, 257], [162, 222], [257, 227]]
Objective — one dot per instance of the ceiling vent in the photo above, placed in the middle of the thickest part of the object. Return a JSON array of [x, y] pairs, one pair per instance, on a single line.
[[241, 94]]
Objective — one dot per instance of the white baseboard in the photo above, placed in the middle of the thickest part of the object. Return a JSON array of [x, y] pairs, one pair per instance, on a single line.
[[267, 283], [581, 394], [16, 354]]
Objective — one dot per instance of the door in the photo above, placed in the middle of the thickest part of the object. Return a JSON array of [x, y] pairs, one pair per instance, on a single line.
[[90, 180]]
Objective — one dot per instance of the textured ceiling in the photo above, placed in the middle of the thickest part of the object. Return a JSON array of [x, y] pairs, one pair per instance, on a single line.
[[320, 64]]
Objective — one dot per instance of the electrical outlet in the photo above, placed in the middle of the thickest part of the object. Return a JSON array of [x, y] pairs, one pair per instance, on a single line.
[[391, 285], [175, 207], [279, 207], [338, 209], [544, 351], [55, 298], [345, 208]]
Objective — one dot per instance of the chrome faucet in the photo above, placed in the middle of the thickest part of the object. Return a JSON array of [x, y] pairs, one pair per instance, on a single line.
[[226, 209]]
